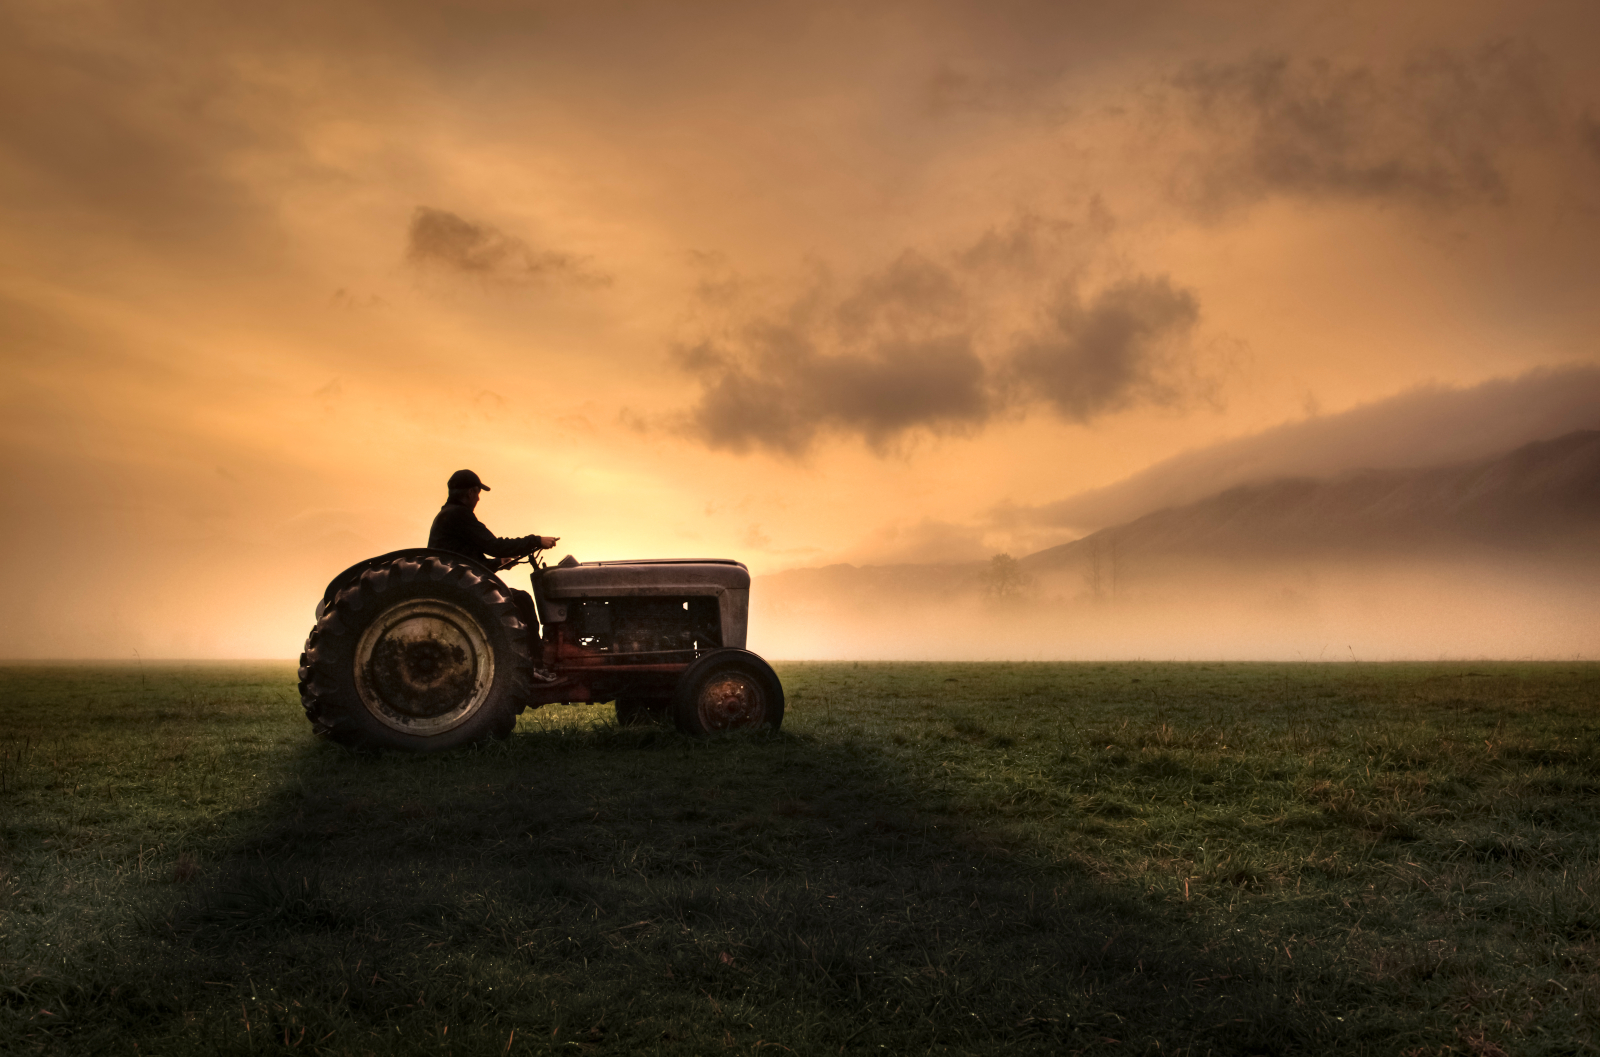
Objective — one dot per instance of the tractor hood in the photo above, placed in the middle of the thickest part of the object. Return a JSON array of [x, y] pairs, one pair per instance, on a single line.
[[645, 577], [727, 581]]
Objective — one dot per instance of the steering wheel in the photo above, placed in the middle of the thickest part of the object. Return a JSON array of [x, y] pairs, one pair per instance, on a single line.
[[534, 559]]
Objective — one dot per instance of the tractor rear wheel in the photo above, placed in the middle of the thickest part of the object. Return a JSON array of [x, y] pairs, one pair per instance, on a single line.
[[418, 654], [728, 690]]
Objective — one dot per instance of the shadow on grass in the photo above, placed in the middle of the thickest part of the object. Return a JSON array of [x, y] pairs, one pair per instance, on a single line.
[[630, 890]]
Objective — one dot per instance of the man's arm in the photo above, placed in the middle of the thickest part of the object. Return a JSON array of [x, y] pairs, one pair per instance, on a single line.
[[508, 547]]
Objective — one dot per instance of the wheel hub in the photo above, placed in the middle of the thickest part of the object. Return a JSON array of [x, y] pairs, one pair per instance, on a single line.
[[731, 701], [424, 666]]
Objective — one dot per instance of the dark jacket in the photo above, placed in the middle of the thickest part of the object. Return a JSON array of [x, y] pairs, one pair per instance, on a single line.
[[457, 528]]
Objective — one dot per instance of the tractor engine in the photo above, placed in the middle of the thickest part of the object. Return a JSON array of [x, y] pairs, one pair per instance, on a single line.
[[645, 625]]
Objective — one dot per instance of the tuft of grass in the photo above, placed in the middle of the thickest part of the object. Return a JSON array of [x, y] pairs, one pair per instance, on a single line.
[[942, 858]]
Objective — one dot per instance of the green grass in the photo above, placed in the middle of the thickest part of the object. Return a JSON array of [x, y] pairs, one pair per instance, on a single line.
[[960, 858]]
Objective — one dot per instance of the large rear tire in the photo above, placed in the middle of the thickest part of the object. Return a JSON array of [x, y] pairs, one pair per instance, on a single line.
[[418, 654], [728, 690]]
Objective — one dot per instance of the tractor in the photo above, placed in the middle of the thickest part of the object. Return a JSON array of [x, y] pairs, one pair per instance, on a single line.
[[424, 649]]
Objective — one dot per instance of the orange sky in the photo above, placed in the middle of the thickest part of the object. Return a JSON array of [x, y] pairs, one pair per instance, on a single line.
[[794, 283]]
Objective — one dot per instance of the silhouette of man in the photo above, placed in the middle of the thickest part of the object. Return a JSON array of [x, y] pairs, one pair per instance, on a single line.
[[456, 528]]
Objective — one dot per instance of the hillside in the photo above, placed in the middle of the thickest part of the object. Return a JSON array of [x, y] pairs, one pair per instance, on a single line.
[[1539, 497], [1493, 557]]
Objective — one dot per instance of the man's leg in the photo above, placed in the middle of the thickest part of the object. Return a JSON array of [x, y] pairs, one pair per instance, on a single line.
[[523, 602]]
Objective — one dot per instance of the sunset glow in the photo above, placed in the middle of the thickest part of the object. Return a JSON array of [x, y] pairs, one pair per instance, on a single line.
[[794, 283]]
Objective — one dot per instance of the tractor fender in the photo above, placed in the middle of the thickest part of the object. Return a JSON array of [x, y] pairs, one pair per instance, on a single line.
[[352, 574]]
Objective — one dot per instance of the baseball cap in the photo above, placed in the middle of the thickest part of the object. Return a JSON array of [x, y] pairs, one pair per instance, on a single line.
[[464, 479]]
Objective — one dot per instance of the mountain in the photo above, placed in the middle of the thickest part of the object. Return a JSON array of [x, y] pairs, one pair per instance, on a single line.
[[1498, 556], [1429, 426], [1540, 497]]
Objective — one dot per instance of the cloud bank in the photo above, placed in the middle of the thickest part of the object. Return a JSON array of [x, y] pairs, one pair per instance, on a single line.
[[939, 346], [439, 239], [1441, 130], [1096, 357]]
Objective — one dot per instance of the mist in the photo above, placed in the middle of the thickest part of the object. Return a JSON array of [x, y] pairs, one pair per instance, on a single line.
[[1492, 557], [1461, 608]]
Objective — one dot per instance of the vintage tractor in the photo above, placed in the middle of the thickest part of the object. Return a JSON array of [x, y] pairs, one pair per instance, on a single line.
[[426, 649]]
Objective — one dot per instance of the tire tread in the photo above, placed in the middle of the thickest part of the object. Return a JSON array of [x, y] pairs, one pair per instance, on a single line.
[[329, 700]]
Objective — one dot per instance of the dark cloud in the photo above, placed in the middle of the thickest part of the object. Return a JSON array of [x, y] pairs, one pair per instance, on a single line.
[[891, 354], [910, 296], [785, 392], [921, 345], [1108, 353], [1439, 130], [441, 239]]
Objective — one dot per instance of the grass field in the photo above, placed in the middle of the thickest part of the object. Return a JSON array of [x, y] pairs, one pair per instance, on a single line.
[[957, 858]]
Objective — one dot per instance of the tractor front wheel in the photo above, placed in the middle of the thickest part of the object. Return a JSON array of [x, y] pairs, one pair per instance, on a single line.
[[728, 690]]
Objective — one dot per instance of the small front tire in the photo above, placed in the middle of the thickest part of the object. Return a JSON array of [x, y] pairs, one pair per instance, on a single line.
[[728, 690]]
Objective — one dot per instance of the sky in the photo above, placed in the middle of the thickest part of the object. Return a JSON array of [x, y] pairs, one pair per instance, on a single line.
[[794, 283]]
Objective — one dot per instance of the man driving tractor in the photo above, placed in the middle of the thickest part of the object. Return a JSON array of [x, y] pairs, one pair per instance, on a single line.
[[456, 528], [429, 649]]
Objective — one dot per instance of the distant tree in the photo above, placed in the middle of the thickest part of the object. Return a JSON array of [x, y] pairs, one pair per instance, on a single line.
[[1094, 575], [1004, 580], [1100, 574]]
